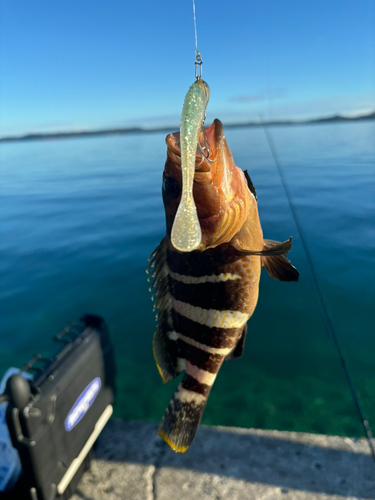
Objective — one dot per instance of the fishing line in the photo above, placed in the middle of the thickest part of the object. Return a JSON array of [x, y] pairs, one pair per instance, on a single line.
[[198, 57], [205, 151], [195, 28], [328, 323]]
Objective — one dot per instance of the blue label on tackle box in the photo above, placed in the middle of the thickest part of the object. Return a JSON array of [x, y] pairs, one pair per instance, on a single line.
[[83, 403]]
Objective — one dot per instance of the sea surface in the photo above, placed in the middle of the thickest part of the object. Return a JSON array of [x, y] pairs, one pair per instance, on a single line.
[[79, 218]]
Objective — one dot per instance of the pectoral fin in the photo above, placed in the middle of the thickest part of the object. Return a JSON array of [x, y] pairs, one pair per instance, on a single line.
[[238, 350], [270, 248], [277, 265], [274, 260]]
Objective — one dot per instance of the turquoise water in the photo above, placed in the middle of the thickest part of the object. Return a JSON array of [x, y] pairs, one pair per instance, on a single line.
[[79, 217]]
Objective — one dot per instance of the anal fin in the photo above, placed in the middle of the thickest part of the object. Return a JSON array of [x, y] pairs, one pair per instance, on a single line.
[[238, 349], [165, 350]]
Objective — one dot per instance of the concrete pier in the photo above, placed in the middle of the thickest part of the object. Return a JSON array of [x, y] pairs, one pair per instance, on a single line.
[[226, 463]]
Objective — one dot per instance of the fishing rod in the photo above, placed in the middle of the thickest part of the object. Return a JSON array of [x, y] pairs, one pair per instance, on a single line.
[[328, 322], [327, 319]]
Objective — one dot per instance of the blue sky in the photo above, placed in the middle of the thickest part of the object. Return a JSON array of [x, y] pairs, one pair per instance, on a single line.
[[83, 64]]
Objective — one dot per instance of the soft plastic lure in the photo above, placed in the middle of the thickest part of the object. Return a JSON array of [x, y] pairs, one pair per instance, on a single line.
[[186, 231]]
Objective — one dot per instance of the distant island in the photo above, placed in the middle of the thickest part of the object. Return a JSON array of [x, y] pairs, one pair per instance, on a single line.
[[142, 130]]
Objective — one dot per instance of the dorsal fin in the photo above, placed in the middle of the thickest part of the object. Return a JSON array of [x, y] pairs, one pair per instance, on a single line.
[[165, 347], [250, 184]]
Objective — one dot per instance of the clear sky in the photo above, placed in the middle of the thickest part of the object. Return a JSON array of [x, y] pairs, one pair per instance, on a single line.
[[83, 64]]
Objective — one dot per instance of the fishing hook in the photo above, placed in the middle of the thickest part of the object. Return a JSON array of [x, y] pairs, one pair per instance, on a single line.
[[204, 148]]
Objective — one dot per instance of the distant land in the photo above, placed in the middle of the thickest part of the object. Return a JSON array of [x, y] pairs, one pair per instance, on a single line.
[[142, 130]]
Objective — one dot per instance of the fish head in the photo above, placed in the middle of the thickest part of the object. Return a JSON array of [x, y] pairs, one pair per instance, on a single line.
[[222, 197]]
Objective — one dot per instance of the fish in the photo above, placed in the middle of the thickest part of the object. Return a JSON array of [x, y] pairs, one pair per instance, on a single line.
[[205, 297]]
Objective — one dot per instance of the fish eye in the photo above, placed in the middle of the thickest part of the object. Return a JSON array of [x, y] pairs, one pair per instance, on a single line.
[[171, 187]]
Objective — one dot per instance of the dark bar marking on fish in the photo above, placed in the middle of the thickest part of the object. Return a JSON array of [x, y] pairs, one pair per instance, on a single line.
[[205, 263], [199, 264], [180, 423], [192, 384], [212, 337], [202, 359], [222, 296]]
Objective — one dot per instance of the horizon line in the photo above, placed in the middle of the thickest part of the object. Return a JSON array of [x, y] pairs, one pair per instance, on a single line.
[[144, 130]]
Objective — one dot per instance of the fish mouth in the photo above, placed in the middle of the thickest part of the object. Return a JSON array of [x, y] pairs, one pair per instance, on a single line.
[[220, 189], [209, 139]]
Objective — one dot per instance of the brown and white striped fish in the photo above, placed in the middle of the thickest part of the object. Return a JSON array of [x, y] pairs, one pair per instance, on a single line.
[[205, 297]]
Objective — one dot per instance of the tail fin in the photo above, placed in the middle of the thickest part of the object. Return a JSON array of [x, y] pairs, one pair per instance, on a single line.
[[181, 418]]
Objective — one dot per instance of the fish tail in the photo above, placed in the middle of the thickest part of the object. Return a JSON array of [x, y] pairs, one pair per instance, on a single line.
[[183, 415]]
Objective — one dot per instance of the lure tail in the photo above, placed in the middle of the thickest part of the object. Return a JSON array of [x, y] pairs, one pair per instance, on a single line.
[[182, 416], [186, 232]]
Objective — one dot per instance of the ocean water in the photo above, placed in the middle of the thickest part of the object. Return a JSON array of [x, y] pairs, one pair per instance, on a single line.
[[79, 218]]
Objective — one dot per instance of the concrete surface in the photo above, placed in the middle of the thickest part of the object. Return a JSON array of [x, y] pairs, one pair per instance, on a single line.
[[226, 463]]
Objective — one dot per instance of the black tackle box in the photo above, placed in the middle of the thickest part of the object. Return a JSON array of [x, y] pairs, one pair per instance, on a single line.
[[55, 418]]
